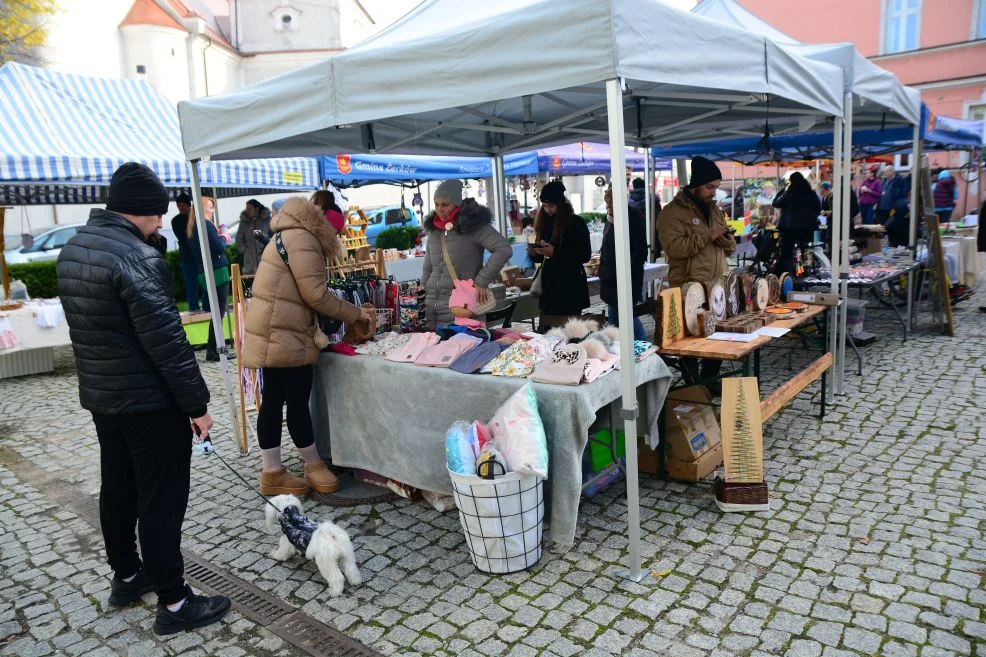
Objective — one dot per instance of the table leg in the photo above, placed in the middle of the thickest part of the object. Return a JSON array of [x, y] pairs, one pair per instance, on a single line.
[[900, 318], [756, 364], [824, 377], [746, 366], [662, 468]]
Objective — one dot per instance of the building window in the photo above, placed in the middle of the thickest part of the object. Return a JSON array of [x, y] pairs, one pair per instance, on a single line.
[[901, 25], [977, 112], [979, 20]]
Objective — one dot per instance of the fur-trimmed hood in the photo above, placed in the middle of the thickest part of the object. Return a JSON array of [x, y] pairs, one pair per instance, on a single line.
[[472, 217], [298, 212]]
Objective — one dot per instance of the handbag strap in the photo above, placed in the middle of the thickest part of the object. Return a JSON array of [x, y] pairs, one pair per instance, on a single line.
[[448, 260], [281, 251]]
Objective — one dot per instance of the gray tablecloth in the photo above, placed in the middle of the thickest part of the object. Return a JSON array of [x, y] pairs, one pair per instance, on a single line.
[[390, 418]]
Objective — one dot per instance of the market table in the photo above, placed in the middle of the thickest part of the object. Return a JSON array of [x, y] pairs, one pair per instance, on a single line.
[[34, 352], [391, 418], [735, 351], [885, 275]]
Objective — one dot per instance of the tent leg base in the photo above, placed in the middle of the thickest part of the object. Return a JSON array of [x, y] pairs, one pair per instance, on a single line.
[[638, 576]]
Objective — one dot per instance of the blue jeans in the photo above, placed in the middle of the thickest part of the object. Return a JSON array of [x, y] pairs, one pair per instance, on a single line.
[[192, 290], [613, 317], [866, 210]]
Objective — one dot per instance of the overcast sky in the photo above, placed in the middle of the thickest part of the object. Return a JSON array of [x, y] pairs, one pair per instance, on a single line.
[[385, 12]]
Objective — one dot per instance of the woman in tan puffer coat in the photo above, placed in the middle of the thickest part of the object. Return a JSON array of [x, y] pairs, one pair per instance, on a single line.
[[281, 325]]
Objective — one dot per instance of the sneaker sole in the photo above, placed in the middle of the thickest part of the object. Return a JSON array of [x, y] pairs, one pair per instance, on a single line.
[[281, 490], [328, 488], [191, 625], [123, 601]]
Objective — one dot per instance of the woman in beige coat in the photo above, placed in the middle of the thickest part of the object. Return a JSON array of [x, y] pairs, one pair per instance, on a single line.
[[281, 328]]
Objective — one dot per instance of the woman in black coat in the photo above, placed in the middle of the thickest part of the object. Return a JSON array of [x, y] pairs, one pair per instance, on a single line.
[[608, 267], [800, 207], [563, 247]]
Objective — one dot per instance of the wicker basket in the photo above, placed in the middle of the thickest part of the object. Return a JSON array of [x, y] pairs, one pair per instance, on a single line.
[[741, 493]]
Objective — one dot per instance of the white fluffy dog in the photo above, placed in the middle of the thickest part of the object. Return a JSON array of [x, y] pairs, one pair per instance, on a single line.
[[326, 543]]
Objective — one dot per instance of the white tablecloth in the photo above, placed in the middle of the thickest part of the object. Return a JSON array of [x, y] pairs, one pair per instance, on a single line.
[[963, 249], [30, 335]]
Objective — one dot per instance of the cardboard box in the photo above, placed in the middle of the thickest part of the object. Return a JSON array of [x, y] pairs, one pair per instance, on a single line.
[[646, 460], [690, 424], [696, 470]]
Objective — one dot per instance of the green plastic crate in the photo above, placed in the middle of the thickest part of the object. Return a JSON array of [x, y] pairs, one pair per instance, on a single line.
[[600, 454]]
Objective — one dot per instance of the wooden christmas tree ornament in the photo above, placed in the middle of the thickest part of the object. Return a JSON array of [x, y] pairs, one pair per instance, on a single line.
[[671, 314], [743, 488]]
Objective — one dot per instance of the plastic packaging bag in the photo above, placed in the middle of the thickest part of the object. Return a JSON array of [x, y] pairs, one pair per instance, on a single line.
[[461, 449], [519, 434]]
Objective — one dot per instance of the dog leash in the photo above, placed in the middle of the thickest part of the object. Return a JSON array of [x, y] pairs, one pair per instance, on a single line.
[[208, 448]]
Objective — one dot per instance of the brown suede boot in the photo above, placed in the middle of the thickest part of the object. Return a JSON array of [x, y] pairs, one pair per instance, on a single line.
[[321, 478], [282, 483]]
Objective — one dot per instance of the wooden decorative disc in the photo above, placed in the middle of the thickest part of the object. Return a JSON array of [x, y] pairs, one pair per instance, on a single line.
[[778, 312], [693, 298], [773, 289], [717, 299], [787, 285], [761, 294], [794, 306], [734, 291], [747, 282]]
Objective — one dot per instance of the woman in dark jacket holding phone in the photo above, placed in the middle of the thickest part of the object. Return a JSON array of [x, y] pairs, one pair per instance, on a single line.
[[562, 247]]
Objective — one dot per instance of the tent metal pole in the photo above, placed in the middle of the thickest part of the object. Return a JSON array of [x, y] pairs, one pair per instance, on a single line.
[[840, 357], [916, 210], [649, 201], [682, 173], [501, 194], [621, 226], [837, 223], [210, 287]]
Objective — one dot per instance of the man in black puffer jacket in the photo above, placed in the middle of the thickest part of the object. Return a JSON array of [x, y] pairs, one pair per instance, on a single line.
[[139, 379]]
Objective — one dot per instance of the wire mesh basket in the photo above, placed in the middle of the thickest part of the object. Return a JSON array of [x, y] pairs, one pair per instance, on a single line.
[[502, 519], [385, 320]]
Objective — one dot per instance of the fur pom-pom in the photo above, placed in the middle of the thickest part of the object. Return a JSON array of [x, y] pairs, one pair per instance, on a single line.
[[594, 348], [578, 329], [613, 333]]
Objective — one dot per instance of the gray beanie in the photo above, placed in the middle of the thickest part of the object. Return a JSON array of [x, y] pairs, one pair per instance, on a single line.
[[451, 191]]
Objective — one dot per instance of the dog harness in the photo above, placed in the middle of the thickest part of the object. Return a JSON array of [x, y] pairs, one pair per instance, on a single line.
[[297, 528]]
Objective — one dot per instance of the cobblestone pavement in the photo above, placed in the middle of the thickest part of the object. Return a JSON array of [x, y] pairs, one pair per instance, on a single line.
[[874, 544]]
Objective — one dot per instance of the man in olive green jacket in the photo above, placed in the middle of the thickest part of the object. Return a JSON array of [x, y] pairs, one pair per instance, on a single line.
[[696, 241], [693, 229]]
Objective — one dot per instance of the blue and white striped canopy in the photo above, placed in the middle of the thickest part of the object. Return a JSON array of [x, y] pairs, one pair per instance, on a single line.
[[58, 129]]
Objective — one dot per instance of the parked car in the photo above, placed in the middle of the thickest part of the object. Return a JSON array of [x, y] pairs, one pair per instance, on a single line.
[[48, 244], [387, 216]]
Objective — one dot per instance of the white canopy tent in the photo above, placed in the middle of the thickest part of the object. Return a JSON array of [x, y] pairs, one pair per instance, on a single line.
[[874, 99], [489, 78]]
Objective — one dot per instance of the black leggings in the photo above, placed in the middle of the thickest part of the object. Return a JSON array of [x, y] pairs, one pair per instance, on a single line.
[[294, 386]]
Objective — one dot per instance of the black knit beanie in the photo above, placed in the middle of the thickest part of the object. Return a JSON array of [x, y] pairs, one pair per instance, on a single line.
[[553, 192], [704, 171], [136, 190]]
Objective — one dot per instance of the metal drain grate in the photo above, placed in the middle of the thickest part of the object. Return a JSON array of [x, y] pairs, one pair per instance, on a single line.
[[254, 603], [294, 626], [316, 638]]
